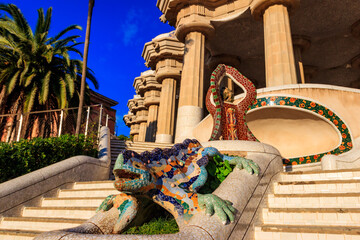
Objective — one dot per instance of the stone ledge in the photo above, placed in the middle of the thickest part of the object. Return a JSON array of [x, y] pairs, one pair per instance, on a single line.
[[16, 192]]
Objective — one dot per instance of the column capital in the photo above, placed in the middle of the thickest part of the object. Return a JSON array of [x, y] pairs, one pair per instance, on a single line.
[[168, 68], [152, 98], [134, 129], [164, 46], [139, 105], [194, 24], [303, 42], [145, 82], [259, 6], [128, 119]]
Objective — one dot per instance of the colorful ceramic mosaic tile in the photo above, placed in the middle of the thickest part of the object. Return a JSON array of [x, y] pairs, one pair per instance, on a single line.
[[229, 118], [322, 111], [171, 178]]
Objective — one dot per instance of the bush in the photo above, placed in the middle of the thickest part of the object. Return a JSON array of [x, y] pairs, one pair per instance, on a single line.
[[123, 137], [19, 158], [217, 170]]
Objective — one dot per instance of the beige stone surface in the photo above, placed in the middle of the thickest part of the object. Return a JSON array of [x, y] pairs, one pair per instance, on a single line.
[[166, 119], [343, 101], [279, 54], [191, 86], [293, 131], [151, 124]]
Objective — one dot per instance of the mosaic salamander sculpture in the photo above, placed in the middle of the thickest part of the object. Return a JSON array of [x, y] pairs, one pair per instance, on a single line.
[[171, 178]]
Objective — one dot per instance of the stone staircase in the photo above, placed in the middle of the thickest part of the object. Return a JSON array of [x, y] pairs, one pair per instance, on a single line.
[[71, 207], [313, 205]]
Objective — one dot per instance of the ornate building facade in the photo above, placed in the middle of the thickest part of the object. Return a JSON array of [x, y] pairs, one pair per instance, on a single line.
[[303, 56]]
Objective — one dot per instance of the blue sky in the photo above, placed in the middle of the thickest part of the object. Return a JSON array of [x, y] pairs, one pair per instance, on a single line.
[[119, 31]]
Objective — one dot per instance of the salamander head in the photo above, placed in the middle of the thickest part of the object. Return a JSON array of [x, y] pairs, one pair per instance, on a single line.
[[131, 175]]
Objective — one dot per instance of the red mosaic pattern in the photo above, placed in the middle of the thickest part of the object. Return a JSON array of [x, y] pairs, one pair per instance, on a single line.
[[346, 141], [223, 126]]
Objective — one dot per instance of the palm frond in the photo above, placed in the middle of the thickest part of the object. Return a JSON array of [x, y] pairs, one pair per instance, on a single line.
[[70, 84], [44, 91], [24, 72], [12, 83], [30, 99], [66, 30], [29, 79]]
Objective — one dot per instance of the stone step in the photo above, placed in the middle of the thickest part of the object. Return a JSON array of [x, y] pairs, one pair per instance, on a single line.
[[328, 186], [285, 232], [59, 212], [10, 234], [319, 216], [40, 224], [94, 185], [353, 174], [76, 193], [72, 202], [324, 200]]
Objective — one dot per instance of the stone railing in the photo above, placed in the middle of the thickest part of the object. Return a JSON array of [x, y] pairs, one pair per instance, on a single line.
[[348, 160], [28, 189]]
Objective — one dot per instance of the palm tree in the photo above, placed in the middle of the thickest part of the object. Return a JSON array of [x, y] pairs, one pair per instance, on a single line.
[[86, 49], [36, 71]]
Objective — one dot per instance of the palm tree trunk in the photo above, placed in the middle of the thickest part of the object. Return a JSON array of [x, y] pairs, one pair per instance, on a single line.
[[83, 77]]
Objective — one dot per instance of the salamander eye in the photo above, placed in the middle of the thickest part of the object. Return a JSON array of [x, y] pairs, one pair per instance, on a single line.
[[137, 165]]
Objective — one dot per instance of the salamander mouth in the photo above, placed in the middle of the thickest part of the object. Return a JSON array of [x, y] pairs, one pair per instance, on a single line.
[[126, 175]]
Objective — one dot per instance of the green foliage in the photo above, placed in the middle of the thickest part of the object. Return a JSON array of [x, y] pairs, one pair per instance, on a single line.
[[155, 226], [22, 157], [123, 137], [217, 170], [36, 71]]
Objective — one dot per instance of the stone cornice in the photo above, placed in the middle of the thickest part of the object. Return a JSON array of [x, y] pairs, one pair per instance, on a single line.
[[139, 105], [212, 8], [128, 119], [162, 48], [145, 82]]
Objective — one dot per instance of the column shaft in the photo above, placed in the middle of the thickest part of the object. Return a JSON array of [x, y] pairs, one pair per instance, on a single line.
[[279, 54], [151, 124], [166, 119], [190, 111], [142, 132]]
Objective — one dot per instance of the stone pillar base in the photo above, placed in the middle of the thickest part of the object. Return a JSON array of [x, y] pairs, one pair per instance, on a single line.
[[188, 118], [164, 138]]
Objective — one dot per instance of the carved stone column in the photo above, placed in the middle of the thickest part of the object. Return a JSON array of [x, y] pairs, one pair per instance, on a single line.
[[301, 44], [152, 100], [192, 31], [130, 119], [165, 54], [141, 118], [279, 55]]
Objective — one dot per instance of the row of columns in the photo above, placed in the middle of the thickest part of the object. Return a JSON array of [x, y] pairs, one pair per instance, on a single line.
[[164, 55], [185, 64]]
